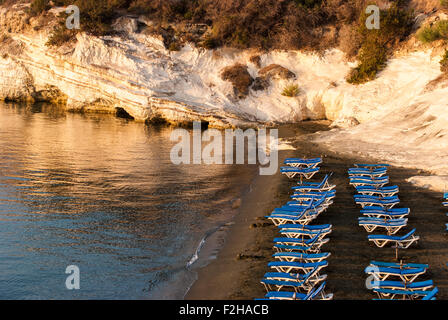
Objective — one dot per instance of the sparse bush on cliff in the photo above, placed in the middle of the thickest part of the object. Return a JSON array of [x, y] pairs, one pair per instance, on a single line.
[[437, 31], [60, 35], [444, 62], [376, 44], [38, 6], [291, 90]]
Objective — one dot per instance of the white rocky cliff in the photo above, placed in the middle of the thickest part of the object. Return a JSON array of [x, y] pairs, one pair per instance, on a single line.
[[401, 116]]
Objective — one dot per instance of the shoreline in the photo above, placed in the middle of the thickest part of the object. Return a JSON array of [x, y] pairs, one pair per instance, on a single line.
[[241, 263]]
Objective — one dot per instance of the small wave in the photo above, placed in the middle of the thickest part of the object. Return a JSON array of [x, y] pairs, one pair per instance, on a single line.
[[195, 256]]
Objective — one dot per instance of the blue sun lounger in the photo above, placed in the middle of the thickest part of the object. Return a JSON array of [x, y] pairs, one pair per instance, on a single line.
[[387, 191], [445, 196], [285, 266], [303, 218], [297, 206], [296, 281], [399, 265], [380, 212], [380, 182], [386, 202], [297, 231], [291, 172], [375, 173], [302, 162], [402, 242], [324, 185], [392, 226], [312, 244], [400, 285], [322, 203], [406, 294], [303, 197], [295, 214], [316, 228], [301, 257], [406, 275], [313, 294]]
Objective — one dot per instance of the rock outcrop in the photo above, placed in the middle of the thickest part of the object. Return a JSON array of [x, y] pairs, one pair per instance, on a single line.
[[239, 77], [275, 71]]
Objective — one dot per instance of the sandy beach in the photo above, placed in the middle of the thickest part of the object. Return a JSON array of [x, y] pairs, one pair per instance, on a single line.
[[240, 265]]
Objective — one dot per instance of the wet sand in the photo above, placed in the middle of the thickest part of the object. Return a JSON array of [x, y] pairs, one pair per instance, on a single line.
[[242, 262]]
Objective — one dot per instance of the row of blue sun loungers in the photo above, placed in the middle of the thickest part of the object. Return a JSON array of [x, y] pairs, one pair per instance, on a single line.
[[399, 281], [296, 272], [391, 280], [378, 210]]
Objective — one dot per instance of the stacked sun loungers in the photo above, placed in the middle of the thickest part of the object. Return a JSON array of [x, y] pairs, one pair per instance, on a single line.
[[399, 281], [296, 272], [378, 201], [305, 168], [389, 280]]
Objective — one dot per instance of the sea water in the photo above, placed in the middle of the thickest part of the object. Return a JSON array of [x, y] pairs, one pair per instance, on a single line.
[[100, 192]]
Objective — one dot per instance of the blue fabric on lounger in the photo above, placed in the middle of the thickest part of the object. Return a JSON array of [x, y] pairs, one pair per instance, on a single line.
[[302, 256], [431, 295], [299, 170], [417, 285], [305, 227], [302, 161], [299, 265], [399, 265], [384, 191], [397, 238], [408, 293]]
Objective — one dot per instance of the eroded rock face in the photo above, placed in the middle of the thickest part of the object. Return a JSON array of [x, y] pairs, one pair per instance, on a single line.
[[239, 77], [15, 81], [276, 71]]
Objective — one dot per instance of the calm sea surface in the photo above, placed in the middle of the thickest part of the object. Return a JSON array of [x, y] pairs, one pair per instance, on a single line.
[[100, 193]]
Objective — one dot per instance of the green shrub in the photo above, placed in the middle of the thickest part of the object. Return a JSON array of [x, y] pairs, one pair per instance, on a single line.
[[395, 24], [308, 3], [444, 62], [290, 90], [60, 35], [438, 30], [174, 46], [38, 6]]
